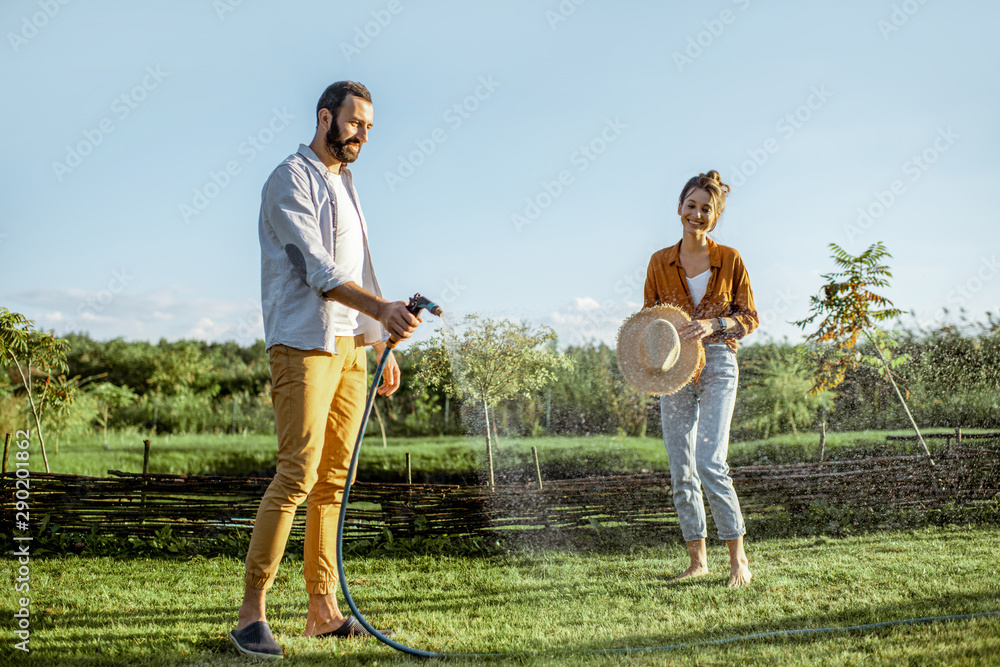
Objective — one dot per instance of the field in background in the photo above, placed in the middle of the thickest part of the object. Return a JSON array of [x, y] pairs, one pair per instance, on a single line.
[[459, 459], [161, 612]]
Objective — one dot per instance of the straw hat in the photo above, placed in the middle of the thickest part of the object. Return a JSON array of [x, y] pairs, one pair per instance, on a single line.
[[652, 356]]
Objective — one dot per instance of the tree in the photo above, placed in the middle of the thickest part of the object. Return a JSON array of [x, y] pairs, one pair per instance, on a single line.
[[69, 405], [488, 362], [778, 394], [34, 354], [109, 397], [849, 309]]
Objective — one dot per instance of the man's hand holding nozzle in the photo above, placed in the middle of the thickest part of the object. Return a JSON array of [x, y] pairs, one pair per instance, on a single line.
[[397, 320]]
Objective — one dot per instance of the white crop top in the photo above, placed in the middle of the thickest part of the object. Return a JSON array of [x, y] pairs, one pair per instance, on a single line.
[[698, 285]]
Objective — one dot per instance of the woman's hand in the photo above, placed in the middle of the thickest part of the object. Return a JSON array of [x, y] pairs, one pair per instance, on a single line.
[[696, 329]]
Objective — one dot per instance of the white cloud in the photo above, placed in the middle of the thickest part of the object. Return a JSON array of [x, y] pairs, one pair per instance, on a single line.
[[585, 320], [206, 329], [54, 316]]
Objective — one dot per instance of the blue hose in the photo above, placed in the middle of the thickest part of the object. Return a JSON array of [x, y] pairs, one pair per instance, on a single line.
[[343, 515], [644, 649]]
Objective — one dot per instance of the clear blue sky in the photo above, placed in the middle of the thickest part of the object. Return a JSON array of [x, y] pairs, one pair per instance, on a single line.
[[116, 115]]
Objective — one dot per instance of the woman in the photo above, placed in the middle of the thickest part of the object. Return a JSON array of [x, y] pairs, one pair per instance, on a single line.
[[709, 282]]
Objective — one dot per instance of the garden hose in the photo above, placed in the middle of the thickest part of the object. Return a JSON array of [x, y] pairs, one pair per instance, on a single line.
[[416, 304]]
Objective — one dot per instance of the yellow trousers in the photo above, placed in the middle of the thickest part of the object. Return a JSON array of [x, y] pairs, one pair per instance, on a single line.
[[319, 401]]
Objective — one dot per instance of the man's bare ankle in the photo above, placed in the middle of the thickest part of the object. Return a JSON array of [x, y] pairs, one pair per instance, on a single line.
[[248, 616]]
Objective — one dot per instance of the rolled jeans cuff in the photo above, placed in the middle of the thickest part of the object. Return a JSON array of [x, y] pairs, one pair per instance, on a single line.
[[321, 587], [733, 537], [260, 582]]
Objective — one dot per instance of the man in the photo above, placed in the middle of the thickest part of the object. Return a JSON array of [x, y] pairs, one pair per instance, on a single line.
[[322, 306]]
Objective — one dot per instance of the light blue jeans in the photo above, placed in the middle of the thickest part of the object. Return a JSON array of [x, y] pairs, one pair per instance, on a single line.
[[696, 434]]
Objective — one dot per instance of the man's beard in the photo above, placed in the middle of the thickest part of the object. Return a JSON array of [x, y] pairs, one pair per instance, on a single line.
[[339, 149]]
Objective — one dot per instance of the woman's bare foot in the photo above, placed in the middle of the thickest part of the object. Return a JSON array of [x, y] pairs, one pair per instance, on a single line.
[[699, 561], [739, 566], [693, 571], [739, 577]]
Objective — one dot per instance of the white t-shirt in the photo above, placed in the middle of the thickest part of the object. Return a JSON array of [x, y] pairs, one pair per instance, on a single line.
[[349, 253], [698, 285]]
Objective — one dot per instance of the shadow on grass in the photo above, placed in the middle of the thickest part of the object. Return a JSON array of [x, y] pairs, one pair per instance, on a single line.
[[953, 605], [198, 635]]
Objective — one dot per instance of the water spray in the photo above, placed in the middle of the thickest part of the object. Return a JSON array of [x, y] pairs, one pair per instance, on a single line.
[[415, 305]]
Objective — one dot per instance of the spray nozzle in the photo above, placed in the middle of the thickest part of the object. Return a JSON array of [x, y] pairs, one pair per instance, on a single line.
[[418, 303]]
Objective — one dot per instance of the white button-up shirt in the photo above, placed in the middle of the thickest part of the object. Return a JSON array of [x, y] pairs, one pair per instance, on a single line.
[[298, 232]]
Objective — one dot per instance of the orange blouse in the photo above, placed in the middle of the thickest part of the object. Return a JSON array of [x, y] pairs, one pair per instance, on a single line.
[[728, 293]]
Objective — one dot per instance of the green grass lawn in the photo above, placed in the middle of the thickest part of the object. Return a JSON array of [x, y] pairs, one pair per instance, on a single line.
[[96, 611], [196, 453], [453, 459]]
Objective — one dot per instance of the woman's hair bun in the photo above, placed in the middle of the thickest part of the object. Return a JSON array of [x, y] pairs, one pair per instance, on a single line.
[[715, 176]]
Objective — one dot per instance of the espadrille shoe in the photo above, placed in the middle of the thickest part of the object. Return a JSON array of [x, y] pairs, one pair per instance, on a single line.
[[257, 641], [351, 627]]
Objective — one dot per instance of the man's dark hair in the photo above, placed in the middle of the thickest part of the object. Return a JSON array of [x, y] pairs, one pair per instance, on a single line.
[[335, 94]]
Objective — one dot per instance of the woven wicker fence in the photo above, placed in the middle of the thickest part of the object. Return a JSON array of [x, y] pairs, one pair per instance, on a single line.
[[198, 506]]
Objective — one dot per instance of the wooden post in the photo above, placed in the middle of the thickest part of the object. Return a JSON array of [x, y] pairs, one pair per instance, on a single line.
[[409, 472], [822, 439], [145, 471], [538, 470], [958, 437], [6, 450]]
